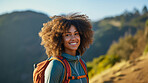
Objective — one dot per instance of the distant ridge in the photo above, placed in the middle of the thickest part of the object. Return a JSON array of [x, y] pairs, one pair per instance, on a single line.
[[20, 45]]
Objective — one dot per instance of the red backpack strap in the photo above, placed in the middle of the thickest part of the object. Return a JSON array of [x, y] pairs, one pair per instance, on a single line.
[[38, 74], [68, 69], [84, 68]]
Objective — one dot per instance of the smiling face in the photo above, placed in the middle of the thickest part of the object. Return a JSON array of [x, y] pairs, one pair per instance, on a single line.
[[71, 40]]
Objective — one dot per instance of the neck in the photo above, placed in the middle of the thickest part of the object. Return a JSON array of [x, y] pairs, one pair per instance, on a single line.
[[73, 53]]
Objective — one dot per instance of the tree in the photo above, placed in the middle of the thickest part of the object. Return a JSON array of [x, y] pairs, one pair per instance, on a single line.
[[144, 10], [136, 12]]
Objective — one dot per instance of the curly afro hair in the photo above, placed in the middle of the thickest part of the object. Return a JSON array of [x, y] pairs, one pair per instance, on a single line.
[[51, 33]]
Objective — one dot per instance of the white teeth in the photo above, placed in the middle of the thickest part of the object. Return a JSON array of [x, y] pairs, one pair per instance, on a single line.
[[72, 43]]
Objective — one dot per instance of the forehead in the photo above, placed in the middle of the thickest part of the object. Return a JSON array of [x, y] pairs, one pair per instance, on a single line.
[[72, 28]]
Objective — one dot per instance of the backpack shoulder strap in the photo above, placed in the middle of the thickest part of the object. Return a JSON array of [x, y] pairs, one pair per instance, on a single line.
[[38, 74], [84, 68], [67, 67]]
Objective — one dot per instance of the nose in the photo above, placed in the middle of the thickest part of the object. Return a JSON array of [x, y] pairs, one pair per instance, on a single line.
[[73, 37]]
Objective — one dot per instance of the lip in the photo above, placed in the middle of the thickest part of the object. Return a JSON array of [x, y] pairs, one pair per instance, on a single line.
[[73, 43]]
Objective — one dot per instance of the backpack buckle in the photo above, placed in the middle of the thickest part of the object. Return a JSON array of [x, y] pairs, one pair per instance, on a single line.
[[73, 77]]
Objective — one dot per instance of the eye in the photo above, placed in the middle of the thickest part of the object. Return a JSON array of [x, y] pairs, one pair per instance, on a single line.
[[67, 35], [76, 33]]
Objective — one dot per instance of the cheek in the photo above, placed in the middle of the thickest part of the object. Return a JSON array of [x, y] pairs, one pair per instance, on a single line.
[[66, 39], [78, 37]]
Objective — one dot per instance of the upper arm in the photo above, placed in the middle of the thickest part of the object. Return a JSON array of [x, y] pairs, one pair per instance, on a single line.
[[54, 72]]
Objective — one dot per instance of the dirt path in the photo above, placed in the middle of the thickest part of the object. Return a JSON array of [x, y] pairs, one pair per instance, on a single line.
[[125, 72]]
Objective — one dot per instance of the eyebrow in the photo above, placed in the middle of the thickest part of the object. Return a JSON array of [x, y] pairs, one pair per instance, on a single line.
[[70, 32]]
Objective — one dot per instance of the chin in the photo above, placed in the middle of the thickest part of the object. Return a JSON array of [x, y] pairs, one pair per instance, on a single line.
[[74, 49]]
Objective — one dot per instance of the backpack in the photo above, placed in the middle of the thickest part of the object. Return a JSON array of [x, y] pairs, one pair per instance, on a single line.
[[38, 73]]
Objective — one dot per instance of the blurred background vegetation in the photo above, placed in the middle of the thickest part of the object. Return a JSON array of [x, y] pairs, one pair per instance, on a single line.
[[122, 37], [128, 43]]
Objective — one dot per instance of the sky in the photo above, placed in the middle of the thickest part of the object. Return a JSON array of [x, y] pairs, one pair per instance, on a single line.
[[95, 9]]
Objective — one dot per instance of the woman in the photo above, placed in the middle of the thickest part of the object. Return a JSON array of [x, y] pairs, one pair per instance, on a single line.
[[67, 36]]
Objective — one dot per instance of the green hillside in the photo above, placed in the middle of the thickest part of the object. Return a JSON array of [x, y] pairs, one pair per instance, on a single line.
[[20, 45], [110, 29], [128, 47]]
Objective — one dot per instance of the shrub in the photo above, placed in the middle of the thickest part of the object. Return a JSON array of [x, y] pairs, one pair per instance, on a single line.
[[102, 63]]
